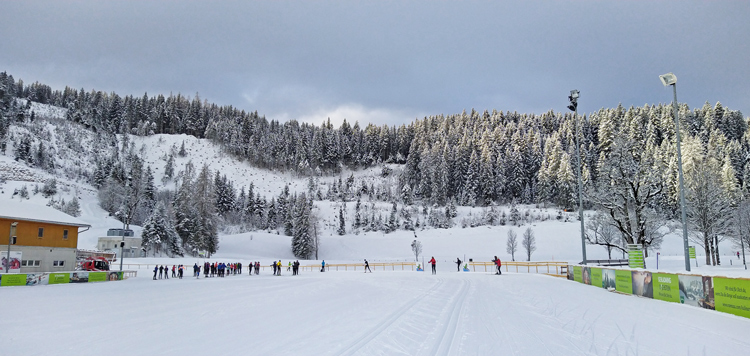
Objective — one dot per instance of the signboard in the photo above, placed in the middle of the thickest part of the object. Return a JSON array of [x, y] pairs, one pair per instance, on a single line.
[[691, 251], [635, 256], [97, 276], [13, 280], [15, 261], [732, 296], [624, 281], [59, 278], [578, 274], [596, 277], [666, 287]]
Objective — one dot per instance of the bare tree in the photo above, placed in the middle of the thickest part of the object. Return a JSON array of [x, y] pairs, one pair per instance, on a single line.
[[511, 245], [629, 185], [741, 223], [314, 219], [416, 247], [529, 243], [601, 231], [709, 213]]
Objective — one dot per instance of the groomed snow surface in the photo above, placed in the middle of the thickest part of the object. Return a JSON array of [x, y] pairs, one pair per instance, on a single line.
[[353, 313]]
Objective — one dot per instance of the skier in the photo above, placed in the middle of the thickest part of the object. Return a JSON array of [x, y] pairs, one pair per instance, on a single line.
[[174, 271], [433, 262], [257, 267], [289, 266], [738, 255], [279, 267], [161, 270], [273, 264], [166, 272], [323, 266], [458, 264], [498, 264], [367, 267], [156, 268]]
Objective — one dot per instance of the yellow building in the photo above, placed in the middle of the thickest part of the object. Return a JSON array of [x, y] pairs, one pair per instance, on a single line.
[[42, 238]]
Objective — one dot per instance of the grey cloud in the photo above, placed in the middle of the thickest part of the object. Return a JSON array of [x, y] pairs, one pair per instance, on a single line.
[[299, 59]]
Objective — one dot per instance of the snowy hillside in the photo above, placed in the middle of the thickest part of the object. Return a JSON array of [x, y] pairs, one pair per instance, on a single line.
[[557, 233]]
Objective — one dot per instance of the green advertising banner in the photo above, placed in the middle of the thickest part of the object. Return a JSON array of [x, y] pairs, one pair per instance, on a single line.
[[732, 296], [59, 278], [97, 276], [624, 281], [596, 277], [578, 274], [666, 287], [13, 279], [691, 251]]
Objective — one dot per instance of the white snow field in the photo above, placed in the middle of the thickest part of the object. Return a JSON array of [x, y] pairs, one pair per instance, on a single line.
[[348, 313]]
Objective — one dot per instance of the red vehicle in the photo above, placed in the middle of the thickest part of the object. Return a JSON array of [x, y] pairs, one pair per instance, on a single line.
[[95, 264]]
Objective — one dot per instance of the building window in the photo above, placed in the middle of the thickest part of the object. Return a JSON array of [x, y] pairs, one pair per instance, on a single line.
[[58, 264], [31, 263], [13, 240], [41, 232], [65, 234]]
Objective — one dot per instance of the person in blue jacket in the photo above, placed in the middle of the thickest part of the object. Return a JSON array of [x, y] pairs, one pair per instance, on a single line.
[[323, 266]]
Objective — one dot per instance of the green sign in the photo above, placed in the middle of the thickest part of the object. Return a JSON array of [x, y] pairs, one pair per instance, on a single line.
[[596, 277], [578, 274], [624, 281], [732, 296], [691, 251], [666, 287], [13, 280], [97, 276], [59, 278], [635, 259]]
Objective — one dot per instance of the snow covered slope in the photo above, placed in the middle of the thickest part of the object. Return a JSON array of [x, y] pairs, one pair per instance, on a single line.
[[340, 313]]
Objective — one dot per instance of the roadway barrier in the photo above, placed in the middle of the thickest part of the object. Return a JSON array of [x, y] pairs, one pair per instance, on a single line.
[[43, 278], [554, 268], [729, 295]]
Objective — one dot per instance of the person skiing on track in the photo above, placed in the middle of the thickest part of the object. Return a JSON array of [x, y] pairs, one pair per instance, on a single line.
[[323, 266], [498, 264], [367, 267], [433, 262], [458, 264]]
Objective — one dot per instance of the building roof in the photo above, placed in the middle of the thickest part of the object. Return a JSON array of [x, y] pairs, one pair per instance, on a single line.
[[26, 211]]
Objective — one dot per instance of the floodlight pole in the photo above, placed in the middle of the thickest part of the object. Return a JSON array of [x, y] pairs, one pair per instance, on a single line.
[[122, 243], [10, 237], [682, 182], [574, 94]]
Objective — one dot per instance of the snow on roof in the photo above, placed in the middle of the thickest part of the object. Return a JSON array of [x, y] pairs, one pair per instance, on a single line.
[[27, 211]]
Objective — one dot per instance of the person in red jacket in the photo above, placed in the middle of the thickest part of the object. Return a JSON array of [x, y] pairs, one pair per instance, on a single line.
[[432, 262], [498, 264]]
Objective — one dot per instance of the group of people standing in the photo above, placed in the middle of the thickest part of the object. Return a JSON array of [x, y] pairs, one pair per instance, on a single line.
[[496, 261], [218, 269], [164, 271], [222, 269]]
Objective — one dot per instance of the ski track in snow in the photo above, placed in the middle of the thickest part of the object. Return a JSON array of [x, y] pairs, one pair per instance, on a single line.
[[446, 336], [374, 332], [348, 313]]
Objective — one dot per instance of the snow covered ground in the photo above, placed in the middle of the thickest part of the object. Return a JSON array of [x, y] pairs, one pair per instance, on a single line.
[[347, 313], [340, 313]]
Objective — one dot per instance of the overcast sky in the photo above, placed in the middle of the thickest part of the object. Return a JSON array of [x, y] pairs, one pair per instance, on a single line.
[[386, 62]]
